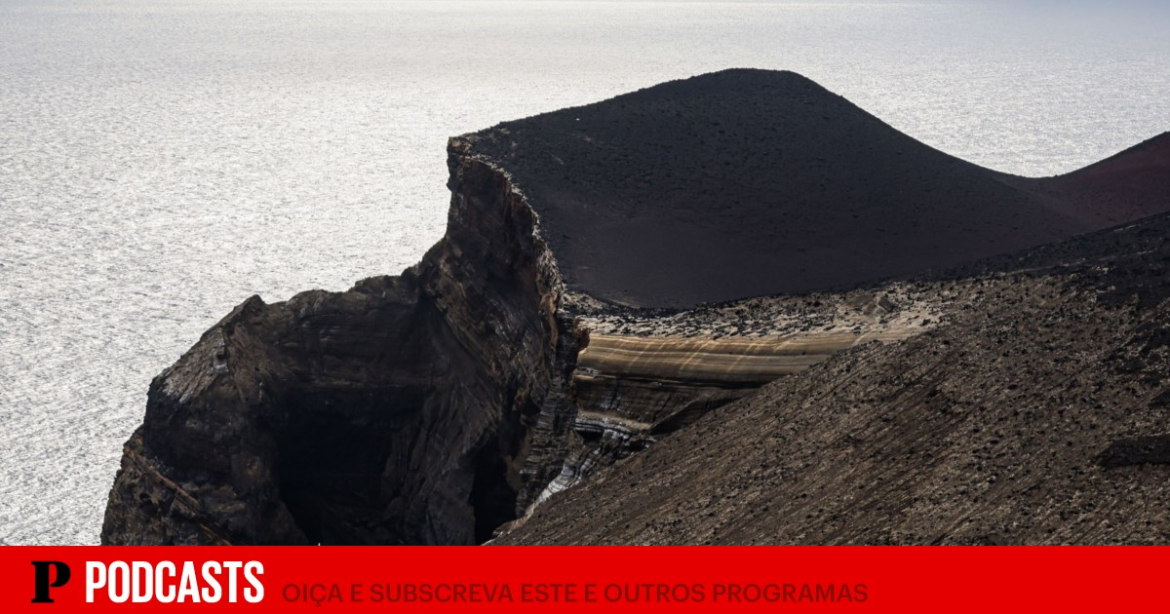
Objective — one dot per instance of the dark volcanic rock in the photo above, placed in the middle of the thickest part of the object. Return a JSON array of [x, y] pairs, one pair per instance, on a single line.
[[748, 182], [428, 408], [439, 405], [1125, 452]]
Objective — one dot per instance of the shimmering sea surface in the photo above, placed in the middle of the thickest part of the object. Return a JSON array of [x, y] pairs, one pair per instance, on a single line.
[[161, 161]]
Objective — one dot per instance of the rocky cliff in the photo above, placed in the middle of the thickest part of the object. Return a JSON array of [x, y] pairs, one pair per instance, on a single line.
[[427, 408], [443, 404]]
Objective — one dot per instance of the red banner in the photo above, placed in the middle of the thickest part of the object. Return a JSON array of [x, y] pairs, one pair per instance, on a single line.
[[565, 579]]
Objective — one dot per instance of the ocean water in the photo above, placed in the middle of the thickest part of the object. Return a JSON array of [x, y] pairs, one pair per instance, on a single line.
[[162, 161]]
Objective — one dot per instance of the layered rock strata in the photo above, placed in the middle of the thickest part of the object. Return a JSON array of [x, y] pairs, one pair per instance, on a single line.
[[645, 375]]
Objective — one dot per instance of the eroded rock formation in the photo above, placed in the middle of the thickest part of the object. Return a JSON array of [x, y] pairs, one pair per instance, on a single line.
[[642, 378], [426, 408], [440, 405]]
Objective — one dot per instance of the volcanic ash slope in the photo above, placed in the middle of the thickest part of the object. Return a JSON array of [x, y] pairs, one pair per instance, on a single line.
[[750, 183], [1037, 412]]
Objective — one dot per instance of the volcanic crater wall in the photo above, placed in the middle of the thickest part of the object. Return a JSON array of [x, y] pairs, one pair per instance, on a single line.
[[427, 408], [438, 406]]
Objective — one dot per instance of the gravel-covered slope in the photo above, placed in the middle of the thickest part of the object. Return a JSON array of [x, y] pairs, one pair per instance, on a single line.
[[1036, 413]]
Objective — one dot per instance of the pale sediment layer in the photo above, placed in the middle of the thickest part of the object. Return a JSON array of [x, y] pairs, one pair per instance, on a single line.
[[646, 374]]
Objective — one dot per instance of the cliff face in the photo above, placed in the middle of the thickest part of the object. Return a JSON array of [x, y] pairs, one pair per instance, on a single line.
[[415, 409], [643, 377]]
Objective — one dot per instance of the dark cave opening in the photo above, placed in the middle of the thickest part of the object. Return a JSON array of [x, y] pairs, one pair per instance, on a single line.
[[334, 448], [333, 451], [492, 497]]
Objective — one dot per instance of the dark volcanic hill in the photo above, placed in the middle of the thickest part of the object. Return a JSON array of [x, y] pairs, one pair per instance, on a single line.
[[749, 182], [1130, 185], [1037, 412]]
